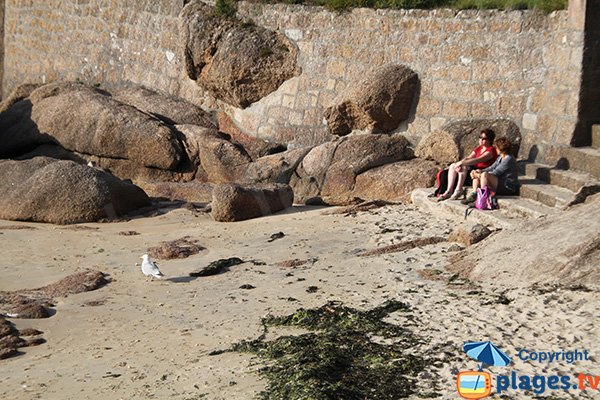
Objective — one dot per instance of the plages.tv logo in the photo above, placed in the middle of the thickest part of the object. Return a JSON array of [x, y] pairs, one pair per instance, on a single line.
[[478, 384]]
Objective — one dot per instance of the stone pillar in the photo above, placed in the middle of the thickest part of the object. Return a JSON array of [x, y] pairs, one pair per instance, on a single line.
[[587, 12]]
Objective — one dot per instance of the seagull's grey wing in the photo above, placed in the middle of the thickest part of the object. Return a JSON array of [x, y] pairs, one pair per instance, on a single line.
[[155, 271]]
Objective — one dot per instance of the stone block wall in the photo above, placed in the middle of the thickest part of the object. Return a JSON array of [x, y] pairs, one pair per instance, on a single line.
[[100, 42], [521, 65]]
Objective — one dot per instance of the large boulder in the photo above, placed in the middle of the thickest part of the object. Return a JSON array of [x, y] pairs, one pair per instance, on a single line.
[[221, 159], [19, 93], [276, 168], [239, 63], [194, 191], [121, 168], [88, 120], [255, 147], [330, 170], [378, 103], [63, 192], [234, 202], [53, 151], [358, 154], [169, 109], [307, 180], [18, 133], [395, 181], [457, 139]]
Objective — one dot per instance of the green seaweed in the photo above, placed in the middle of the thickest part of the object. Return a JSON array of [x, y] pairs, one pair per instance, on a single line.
[[339, 358]]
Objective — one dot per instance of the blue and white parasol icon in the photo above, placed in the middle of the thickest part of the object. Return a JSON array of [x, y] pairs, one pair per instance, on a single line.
[[486, 353]]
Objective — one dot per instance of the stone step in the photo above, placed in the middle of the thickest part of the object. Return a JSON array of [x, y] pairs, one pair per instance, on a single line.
[[596, 136], [512, 209], [584, 159], [545, 193], [568, 179]]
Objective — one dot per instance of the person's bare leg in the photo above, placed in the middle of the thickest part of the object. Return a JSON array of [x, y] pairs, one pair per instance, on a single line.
[[475, 184], [462, 177], [451, 179], [489, 180]]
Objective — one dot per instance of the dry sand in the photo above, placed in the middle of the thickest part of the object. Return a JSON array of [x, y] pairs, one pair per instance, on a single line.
[[136, 338]]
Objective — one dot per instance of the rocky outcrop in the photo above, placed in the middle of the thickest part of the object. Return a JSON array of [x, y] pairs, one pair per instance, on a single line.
[[276, 168], [234, 202], [469, 235], [221, 159], [87, 120], [358, 154], [53, 151], [254, 146], [18, 133], [194, 191], [21, 92], [307, 181], [63, 192], [239, 63], [121, 168], [330, 170], [378, 103], [394, 182], [171, 110], [456, 140]]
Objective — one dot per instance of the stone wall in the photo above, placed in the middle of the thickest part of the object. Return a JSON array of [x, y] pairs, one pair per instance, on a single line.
[[521, 65]]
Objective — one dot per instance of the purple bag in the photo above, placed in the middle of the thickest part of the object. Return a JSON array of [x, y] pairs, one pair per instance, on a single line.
[[485, 199]]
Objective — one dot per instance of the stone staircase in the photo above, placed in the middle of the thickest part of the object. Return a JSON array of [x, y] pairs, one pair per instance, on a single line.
[[556, 177], [561, 175]]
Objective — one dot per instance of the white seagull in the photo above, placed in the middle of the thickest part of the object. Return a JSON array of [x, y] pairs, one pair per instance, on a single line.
[[149, 267]]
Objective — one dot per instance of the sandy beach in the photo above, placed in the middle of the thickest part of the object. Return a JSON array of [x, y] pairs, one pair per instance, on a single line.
[[141, 338]]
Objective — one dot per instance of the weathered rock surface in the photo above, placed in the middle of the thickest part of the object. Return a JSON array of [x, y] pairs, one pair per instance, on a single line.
[[546, 254], [121, 168], [254, 146], [18, 133], [378, 103], [238, 63], [63, 192], [169, 109], [21, 92], [307, 180], [456, 140], [87, 120], [53, 151], [194, 191], [234, 202], [358, 154], [276, 168], [221, 160], [469, 235], [395, 181], [330, 170]]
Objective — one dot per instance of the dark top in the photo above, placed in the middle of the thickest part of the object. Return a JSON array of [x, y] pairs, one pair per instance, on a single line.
[[505, 169]]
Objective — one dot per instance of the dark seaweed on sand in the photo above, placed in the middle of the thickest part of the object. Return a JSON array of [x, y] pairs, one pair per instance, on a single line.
[[343, 357]]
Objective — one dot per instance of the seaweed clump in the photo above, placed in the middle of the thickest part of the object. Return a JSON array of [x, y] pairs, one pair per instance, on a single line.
[[349, 354]]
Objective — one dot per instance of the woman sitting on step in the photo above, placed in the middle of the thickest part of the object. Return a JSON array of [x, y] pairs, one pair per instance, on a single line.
[[481, 157], [500, 177]]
